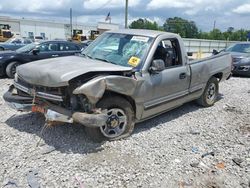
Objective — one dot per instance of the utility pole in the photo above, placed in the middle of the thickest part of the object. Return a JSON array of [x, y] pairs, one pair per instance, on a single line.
[[214, 24], [71, 28], [126, 14]]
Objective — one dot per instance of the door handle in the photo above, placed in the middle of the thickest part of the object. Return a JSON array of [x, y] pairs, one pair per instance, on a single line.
[[182, 75], [55, 55]]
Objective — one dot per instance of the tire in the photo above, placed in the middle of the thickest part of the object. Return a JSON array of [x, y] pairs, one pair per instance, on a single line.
[[210, 94], [121, 115], [1, 49], [11, 69]]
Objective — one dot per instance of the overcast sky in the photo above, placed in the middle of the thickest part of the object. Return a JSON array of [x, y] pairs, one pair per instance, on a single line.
[[227, 13]]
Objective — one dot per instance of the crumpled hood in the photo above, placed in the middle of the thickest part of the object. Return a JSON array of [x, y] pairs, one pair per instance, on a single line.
[[57, 72]]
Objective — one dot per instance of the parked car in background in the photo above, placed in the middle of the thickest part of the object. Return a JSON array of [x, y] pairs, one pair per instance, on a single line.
[[38, 39], [85, 44], [14, 43], [9, 60], [241, 58]]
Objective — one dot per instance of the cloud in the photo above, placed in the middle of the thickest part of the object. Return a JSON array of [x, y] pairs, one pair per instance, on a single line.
[[190, 7], [203, 12], [156, 4], [242, 9], [99, 4], [34, 5]]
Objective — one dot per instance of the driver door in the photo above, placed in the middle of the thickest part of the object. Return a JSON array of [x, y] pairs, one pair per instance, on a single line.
[[170, 85]]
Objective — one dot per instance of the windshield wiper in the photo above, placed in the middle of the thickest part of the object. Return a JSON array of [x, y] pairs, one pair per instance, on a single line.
[[85, 55], [100, 59], [105, 60]]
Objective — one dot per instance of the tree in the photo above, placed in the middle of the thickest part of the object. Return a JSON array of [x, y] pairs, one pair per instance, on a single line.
[[239, 35], [203, 35], [144, 24], [216, 34], [230, 30], [188, 29], [185, 28]]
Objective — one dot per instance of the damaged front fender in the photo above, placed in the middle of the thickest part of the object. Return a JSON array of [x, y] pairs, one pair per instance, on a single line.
[[95, 88]]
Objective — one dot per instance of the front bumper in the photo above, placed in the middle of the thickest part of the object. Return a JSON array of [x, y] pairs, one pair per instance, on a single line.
[[52, 112], [17, 102], [241, 70]]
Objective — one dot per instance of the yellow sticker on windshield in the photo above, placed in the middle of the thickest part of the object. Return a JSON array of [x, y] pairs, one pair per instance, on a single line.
[[134, 61]]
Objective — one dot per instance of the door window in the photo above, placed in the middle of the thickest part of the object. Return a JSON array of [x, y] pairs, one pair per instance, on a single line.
[[68, 47], [47, 47], [169, 51]]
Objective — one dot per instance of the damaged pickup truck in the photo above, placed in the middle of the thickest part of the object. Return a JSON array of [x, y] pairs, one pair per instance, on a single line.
[[123, 77]]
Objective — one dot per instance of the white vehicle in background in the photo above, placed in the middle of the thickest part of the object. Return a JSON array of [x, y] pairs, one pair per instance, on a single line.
[[38, 38]]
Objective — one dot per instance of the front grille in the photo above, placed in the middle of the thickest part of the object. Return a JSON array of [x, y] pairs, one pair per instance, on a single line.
[[54, 94]]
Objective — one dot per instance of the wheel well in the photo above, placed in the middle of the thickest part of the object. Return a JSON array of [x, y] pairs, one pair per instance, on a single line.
[[8, 62], [12, 60], [128, 98], [218, 76]]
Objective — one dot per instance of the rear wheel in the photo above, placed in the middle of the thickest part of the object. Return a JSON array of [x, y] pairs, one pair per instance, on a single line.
[[11, 69], [210, 94], [120, 123]]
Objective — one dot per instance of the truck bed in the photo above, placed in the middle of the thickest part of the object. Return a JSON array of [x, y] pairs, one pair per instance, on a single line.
[[202, 69]]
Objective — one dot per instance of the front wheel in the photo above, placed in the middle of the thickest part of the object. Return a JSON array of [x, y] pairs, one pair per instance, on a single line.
[[210, 94], [11, 69], [120, 123]]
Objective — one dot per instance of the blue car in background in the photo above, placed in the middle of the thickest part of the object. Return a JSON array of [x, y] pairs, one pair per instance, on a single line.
[[14, 44]]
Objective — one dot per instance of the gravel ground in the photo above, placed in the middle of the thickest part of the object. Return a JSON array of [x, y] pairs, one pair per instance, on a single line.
[[189, 147]]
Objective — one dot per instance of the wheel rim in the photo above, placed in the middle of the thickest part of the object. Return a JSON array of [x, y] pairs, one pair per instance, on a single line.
[[211, 93], [13, 69], [116, 123]]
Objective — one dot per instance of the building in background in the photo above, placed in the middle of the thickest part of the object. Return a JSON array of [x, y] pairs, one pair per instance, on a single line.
[[103, 26], [49, 29]]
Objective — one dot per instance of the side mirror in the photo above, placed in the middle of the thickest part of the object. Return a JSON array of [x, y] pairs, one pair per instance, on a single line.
[[35, 51], [190, 54], [157, 66], [215, 52]]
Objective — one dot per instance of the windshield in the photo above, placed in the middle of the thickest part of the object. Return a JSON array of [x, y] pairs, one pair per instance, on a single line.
[[242, 48], [27, 48], [121, 49]]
